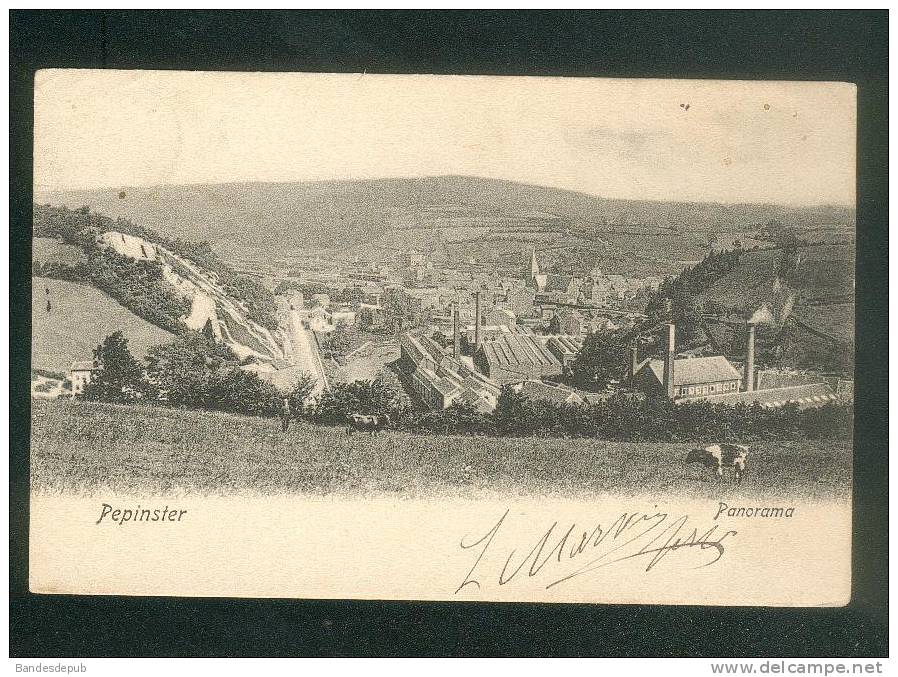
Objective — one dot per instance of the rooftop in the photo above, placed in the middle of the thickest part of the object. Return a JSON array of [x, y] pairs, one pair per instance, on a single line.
[[515, 350], [85, 365], [537, 390], [694, 370], [558, 282], [568, 345], [443, 385], [421, 348]]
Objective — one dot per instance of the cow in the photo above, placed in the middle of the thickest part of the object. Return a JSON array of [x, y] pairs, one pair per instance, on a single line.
[[369, 423], [718, 456]]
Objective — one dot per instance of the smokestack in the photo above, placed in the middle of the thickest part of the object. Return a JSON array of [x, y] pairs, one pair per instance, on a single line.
[[669, 361], [477, 337], [749, 377], [634, 362], [456, 339]]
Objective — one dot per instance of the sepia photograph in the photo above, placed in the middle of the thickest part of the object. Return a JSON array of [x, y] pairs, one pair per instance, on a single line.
[[431, 337]]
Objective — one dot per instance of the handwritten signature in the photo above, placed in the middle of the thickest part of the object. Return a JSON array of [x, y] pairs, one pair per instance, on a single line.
[[563, 553]]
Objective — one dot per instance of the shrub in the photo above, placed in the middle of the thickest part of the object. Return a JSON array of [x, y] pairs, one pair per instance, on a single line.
[[121, 378], [238, 391], [359, 397]]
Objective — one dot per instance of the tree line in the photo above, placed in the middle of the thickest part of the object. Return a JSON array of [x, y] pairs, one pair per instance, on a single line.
[[192, 371], [196, 372]]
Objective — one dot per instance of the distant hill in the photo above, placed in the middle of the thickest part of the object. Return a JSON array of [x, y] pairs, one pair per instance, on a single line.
[[274, 216]]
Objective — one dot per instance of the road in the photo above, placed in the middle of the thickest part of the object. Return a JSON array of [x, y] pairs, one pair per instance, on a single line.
[[301, 348]]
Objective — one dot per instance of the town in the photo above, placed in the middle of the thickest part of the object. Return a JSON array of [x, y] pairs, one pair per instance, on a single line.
[[450, 329], [457, 332]]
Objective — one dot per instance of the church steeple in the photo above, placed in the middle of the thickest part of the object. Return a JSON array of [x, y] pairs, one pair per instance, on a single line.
[[534, 264]]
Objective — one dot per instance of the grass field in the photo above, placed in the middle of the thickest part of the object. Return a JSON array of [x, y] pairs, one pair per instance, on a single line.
[[50, 250], [80, 317], [90, 447]]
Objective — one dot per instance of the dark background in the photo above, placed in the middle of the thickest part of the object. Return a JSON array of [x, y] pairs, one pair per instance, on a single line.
[[844, 46]]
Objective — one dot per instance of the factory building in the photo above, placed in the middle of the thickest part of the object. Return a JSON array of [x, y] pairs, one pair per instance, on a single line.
[[440, 379], [514, 357], [714, 379], [805, 396], [675, 378], [565, 349], [692, 376]]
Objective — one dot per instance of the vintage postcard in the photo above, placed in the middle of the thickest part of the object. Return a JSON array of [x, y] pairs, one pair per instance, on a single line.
[[442, 338]]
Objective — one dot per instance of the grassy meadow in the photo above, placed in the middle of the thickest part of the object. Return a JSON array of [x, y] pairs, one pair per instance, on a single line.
[[80, 317], [91, 447]]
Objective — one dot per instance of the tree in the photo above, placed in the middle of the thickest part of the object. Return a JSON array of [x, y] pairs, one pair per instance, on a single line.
[[121, 378], [354, 296], [365, 318], [340, 339], [182, 368], [462, 417], [300, 392], [260, 304], [235, 390], [358, 397], [511, 415], [601, 360], [687, 315]]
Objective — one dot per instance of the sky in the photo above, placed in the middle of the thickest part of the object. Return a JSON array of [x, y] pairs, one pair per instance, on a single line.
[[686, 140]]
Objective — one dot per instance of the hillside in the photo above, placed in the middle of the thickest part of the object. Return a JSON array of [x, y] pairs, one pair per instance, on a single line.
[[805, 305], [278, 216], [92, 447], [173, 284], [80, 317]]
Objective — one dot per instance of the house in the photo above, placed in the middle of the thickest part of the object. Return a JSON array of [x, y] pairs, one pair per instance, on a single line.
[[512, 357], [487, 332], [519, 300], [595, 292], [652, 283], [691, 376], [414, 259], [567, 321], [561, 286], [82, 373], [346, 317], [421, 299], [374, 312], [320, 320]]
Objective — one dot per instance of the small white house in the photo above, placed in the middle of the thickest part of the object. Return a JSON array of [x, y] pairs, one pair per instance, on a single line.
[[81, 373]]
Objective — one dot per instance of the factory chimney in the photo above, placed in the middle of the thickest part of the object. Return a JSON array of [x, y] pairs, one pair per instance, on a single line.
[[456, 340], [634, 363], [669, 361], [749, 377], [477, 320]]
